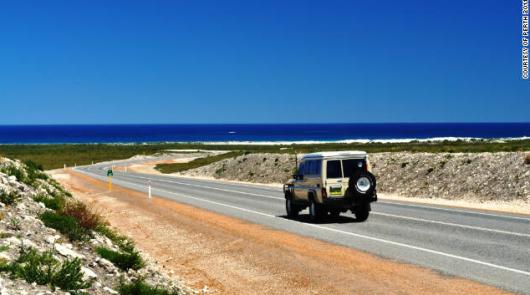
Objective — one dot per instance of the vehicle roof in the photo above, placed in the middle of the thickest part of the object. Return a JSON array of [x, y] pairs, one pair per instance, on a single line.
[[335, 155]]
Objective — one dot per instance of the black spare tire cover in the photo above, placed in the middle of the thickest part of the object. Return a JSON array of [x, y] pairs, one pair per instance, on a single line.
[[352, 185]]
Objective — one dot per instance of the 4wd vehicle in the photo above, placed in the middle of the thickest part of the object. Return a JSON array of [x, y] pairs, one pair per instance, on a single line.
[[331, 182]]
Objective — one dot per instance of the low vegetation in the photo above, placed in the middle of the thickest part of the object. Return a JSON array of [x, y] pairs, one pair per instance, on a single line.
[[9, 198], [44, 269], [124, 260], [178, 167], [28, 174], [140, 287], [85, 217], [53, 202], [52, 156], [67, 225]]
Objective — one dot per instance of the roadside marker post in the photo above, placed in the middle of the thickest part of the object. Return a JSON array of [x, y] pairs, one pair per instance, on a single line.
[[149, 189], [109, 175]]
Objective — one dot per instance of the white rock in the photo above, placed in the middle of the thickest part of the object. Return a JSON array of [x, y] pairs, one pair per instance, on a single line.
[[88, 274], [3, 290], [107, 265], [6, 256], [12, 178], [66, 252], [12, 241], [28, 243], [109, 290], [51, 239]]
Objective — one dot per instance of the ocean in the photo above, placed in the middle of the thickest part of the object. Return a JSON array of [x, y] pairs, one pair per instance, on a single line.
[[258, 133]]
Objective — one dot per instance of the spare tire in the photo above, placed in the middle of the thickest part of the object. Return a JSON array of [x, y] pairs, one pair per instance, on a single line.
[[362, 183]]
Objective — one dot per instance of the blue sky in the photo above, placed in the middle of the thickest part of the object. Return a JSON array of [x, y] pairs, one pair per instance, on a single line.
[[68, 62]]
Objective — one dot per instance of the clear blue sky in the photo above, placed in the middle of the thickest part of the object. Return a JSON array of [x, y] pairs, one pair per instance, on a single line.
[[64, 62]]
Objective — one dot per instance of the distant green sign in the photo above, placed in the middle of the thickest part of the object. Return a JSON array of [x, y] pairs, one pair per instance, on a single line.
[[109, 172]]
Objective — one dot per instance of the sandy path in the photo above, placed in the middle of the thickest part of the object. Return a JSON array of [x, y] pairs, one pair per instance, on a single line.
[[234, 257]]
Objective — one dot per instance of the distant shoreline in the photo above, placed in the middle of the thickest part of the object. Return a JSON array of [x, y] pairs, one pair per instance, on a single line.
[[293, 142]]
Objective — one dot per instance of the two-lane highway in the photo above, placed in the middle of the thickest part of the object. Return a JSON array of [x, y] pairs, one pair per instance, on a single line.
[[492, 248]]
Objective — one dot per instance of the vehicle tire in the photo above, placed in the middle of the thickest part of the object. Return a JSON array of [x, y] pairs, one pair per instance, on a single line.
[[292, 210], [334, 214], [362, 213], [353, 180], [315, 211]]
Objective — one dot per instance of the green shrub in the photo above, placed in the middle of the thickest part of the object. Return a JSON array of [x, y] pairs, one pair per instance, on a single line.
[[35, 267], [44, 269], [34, 171], [66, 225], [54, 202], [140, 287], [122, 260], [9, 198], [69, 276]]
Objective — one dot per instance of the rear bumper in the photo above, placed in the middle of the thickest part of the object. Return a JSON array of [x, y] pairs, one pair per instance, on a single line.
[[348, 202]]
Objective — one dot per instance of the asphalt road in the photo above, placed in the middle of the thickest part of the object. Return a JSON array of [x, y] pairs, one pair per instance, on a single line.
[[492, 248]]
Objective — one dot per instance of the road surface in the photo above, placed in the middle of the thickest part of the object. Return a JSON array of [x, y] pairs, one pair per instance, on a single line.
[[492, 248]]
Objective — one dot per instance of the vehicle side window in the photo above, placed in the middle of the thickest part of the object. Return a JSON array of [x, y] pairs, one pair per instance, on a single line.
[[318, 167], [333, 169], [311, 168], [301, 168], [308, 167]]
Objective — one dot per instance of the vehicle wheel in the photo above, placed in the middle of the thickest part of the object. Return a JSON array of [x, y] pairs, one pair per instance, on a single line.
[[334, 214], [361, 214], [292, 210], [315, 211]]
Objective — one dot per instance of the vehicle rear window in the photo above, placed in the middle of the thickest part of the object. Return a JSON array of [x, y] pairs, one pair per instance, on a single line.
[[352, 165], [333, 169]]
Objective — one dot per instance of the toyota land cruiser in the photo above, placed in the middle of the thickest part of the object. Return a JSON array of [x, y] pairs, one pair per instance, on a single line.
[[331, 182]]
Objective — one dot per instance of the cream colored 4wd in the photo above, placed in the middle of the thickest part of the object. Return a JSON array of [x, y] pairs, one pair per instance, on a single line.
[[331, 182]]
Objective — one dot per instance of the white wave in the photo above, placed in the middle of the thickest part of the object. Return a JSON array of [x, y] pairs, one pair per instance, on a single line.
[[395, 140]]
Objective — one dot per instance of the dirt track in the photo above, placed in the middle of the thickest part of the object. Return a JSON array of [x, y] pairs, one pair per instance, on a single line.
[[234, 257]]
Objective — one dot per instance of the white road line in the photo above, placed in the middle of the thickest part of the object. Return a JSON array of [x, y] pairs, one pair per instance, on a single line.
[[456, 210], [457, 257], [452, 224]]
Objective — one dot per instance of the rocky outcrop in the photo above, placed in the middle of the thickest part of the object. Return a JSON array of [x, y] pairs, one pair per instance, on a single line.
[[21, 229], [501, 176]]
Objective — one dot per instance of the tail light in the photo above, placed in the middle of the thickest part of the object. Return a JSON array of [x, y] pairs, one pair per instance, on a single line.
[[324, 193]]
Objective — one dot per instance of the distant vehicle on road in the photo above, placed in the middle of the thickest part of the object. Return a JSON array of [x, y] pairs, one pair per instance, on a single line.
[[331, 183]]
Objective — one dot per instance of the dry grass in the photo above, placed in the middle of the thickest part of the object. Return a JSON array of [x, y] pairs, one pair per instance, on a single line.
[[84, 216]]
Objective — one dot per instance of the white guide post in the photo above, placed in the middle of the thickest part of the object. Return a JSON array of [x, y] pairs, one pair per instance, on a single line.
[[149, 188]]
